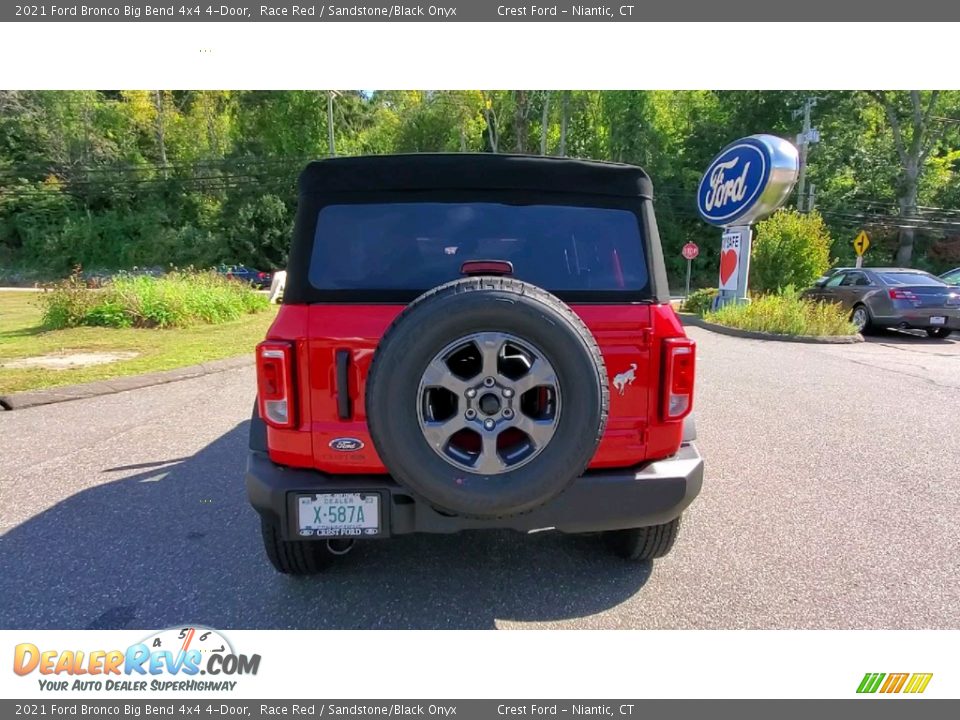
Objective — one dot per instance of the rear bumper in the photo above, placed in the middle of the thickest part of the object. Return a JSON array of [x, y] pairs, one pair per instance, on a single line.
[[652, 494], [920, 319]]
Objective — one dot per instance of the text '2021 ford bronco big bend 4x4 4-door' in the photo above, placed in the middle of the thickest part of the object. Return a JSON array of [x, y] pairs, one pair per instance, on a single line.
[[467, 342]]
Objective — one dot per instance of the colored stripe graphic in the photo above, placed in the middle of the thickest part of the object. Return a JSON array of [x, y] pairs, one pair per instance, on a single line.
[[870, 682], [894, 682], [918, 683]]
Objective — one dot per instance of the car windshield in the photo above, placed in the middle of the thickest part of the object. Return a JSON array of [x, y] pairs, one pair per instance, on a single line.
[[415, 246], [911, 278]]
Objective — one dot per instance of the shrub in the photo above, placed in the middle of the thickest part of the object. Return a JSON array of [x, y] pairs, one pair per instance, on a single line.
[[699, 301], [178, 299], [68, 302], [785, 314], [789, 248]]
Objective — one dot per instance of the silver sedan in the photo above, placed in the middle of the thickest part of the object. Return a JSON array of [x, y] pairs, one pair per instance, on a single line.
[[892, 297]]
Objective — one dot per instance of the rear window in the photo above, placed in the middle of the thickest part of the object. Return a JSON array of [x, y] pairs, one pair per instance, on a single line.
[[908, 278], [416, 246]]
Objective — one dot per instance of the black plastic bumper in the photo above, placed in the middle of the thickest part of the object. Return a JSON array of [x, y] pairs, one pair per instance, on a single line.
[[652, 494]]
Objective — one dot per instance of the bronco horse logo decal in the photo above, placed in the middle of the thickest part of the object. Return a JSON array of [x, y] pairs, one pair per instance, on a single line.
[[625, 378]]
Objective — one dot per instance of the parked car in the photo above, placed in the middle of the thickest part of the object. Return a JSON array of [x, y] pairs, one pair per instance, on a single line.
[[951, 277], [425, 372], [892, 297], [257, 278]]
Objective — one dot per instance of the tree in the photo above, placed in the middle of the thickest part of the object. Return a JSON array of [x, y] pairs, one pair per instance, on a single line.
[[544, 122], [521, 119], [911, 119], [789, 248], [564, 120], [490, 114]]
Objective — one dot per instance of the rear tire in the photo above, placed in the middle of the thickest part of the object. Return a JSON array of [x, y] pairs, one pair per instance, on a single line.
[[645, 543], [939, 333], [861, 318], [294, 557]]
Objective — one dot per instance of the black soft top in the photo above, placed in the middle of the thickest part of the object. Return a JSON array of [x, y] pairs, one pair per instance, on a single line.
[[473, 171]]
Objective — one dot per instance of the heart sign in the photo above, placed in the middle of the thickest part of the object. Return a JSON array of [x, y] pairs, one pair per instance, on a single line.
[[729, 260], [728, 266]]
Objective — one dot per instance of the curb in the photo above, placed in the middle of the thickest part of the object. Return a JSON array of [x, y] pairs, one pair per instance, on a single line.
[[697, 321], [33, 398]]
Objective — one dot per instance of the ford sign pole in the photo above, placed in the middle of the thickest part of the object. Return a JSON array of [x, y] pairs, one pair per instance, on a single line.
[[746, 182], [690, 251]]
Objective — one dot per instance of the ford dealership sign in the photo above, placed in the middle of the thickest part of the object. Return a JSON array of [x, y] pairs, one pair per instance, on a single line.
[[747, 181]]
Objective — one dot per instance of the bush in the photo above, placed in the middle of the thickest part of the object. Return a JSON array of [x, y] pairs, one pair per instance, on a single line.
[[178, 299], [789, 248], [68, 302], [699, 301], [785, 314]]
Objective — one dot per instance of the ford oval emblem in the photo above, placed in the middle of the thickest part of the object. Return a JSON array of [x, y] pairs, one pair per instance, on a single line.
[[747, 181], [346, 444]]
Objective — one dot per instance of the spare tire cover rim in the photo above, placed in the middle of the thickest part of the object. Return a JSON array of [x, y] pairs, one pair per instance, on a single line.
[[499, 384]]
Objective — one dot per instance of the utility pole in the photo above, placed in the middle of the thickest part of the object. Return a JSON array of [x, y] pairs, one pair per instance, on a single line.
[[332, 146], [161, 141], [804, 140], [543, 122], [564, 114]]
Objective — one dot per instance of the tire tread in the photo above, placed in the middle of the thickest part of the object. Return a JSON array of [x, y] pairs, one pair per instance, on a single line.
[[293, 557], [482, 283], [645, 543]]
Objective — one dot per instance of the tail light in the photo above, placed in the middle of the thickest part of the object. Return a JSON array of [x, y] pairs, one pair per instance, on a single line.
[[261, 275], [902, 295], [679, 363], [275, 383]]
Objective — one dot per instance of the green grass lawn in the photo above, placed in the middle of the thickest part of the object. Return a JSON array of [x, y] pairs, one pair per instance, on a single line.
[[21, 335]]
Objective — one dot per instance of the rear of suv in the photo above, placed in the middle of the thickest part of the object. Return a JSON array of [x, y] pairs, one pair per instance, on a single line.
[[470, 342]]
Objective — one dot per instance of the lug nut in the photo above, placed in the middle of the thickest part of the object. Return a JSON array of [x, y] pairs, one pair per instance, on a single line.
[[489, 424], [507, 392], [470, 414], [489, 381], [472, 392], [508, 413]]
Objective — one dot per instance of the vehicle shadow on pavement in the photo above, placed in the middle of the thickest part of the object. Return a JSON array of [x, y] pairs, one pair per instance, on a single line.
[[174, 541]]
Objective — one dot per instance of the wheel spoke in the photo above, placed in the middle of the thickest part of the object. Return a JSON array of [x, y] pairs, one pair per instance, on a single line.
[[490, 345], [438, 374], [539, 431], [438, 433], [540, 373], [489, 461]]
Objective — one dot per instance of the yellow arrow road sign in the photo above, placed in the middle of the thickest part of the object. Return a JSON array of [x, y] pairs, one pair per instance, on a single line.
[[861, 243]]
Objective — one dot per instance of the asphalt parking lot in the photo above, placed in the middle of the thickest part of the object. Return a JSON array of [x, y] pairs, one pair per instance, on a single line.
[[831, 500]]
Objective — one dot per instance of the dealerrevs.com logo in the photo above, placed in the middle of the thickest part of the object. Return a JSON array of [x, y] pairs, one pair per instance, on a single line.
[[171, 659]]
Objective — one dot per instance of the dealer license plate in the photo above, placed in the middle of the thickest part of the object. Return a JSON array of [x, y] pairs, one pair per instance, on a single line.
[[938, 320], [339, 514]]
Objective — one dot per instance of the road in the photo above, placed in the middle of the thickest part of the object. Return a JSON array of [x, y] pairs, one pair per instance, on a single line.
[[831, 500]]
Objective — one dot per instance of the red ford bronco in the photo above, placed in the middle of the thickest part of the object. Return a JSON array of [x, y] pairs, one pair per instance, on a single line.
[[467, 342]]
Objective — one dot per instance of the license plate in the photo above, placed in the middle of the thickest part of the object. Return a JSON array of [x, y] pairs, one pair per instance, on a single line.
[[938, 320], [339, 514]]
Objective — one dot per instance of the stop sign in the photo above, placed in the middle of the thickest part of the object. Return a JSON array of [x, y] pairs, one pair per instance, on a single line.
[[690, 251]]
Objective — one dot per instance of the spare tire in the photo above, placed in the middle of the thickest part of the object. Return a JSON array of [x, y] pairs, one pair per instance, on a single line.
[[487, 397]]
